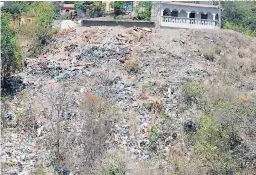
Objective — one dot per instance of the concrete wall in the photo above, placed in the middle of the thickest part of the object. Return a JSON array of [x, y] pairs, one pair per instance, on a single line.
[[91, 22]]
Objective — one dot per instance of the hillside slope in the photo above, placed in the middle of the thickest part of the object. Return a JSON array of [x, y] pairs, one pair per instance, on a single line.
[[112, 100]]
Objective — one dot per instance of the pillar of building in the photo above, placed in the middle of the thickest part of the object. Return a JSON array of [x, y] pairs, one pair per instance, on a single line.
[[213, 17], [156, 13], [108, 6], [188, 13], [135, 3]]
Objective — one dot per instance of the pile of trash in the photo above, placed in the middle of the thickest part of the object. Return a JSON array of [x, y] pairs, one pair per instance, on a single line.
[[95, 60], [94, 53], [65, 32], [93, 36], [134, 35]]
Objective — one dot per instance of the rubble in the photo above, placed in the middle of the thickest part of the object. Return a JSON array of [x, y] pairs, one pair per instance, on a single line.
[[103, 52], [94, 60]]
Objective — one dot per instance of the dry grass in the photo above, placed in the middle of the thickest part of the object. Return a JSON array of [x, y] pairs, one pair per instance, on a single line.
[[115, 162], [132, 65], [92, 101]]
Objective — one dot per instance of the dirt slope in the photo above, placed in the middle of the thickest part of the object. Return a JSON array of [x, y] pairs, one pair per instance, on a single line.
[[137, 72]]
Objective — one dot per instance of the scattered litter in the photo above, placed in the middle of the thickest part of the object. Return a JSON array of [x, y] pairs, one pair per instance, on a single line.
[[10, 116], [61, 170]]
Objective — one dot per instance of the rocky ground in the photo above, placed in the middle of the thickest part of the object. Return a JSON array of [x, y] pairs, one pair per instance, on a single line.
[[140, 72]]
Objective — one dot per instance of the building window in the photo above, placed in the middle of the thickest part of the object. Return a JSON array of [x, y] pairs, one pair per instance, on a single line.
[[167, 12], [174, 13], [192, 15], [217, 17], [204, 16]]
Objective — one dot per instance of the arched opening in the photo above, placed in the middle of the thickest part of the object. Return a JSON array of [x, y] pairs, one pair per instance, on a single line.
[[192, 14], [210, 16], [204, 15], [183, 14], [174, 13], [217, 17], [166, 12], [192, 17]]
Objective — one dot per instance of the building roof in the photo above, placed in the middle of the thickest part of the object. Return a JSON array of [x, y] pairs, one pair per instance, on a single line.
[[68, 6], [189, 4]]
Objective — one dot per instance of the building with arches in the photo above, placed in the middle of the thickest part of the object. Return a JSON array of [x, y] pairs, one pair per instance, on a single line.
[[188, 15]]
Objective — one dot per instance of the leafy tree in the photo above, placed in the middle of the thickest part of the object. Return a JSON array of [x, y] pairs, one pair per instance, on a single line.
[[95, 8], [11, 59], [239, 16], [57, 8], [144, 10], [118, 5], [79, 6], [43, 13], [68, 2], [15, 7]]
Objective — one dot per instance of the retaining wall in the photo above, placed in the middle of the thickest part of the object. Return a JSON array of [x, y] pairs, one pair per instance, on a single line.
[[91, 22]]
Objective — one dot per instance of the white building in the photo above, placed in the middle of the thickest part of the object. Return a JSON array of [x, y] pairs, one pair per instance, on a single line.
[[1, 4], [188, 15]]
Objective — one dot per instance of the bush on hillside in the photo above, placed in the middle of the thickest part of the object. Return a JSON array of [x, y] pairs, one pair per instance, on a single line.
[[10, 53], [213, 141], [239, 28], [42, 14]]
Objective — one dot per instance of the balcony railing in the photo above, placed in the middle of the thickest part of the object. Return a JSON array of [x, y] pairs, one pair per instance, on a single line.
[[190, 21]]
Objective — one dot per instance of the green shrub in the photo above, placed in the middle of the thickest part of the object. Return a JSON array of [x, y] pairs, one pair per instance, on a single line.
[[239, 28], [113, 163], [213, 141], [42, 14], [11, 59], [117, 5], [132, 66], [15, 7], [67, 16], [193, 93]]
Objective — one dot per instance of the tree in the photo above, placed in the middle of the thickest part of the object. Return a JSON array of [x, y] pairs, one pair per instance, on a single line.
[[239, 16], [11, 59], [144, 10], [95, 8], [42, 14], [117, 5], [15, 7]]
